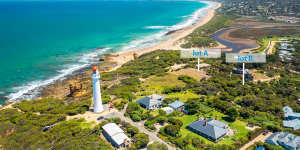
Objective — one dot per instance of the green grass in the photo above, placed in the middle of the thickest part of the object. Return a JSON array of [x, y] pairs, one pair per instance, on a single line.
[[237, 125], [240, 127], [156, 84], [85, 124], [183, 96]]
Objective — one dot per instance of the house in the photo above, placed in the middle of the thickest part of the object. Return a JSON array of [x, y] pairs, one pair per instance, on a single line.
[[211, 129], [168, 110], [177, 105], [115, 135], [286, 140], [289, 114], [248, 74], [292, 119], [294, 124], [151, 102]]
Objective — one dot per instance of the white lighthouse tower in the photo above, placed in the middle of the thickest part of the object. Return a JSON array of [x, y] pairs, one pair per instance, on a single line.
[[96, 90]]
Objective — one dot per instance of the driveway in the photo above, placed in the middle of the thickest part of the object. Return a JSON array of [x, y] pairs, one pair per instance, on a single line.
[[139, 125], [260, 138]]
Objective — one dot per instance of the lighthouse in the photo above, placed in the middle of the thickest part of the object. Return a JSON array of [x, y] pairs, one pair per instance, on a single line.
[[96, 90]]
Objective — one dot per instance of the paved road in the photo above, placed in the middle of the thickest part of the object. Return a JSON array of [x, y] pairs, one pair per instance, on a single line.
[[261, 138], [140, 126]]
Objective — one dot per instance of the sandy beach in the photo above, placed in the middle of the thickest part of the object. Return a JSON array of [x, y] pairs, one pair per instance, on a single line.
[[173, 43]]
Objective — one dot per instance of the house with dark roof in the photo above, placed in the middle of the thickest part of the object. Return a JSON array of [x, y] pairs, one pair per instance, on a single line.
[[284, 139], [211, 129], [151, 102], [248, 74], [291, 119], [177, 105]]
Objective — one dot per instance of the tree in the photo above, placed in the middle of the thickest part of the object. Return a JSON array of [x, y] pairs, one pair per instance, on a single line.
[[141, 140], [176, 122], [171, 130], [157, 146], [162, 119], [192, 106], [135, 117], [232, 113], [197, 142]]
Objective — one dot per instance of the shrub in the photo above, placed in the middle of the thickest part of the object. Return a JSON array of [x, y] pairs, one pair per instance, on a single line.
[[174, 89], [157, 146], [169, 100], [135, 117], [171, 130], [186, 79], [105, 99], [176, 122], [141, 140]]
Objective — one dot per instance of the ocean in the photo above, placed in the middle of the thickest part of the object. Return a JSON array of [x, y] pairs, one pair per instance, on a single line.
[[43, 41]]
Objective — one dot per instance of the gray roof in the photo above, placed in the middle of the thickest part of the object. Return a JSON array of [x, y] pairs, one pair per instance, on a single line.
[[115, 132], [214, 129], [288, 112], [151, 100], [176, 104], [295, 124], [217, 123], [272, 139], [284, 139]]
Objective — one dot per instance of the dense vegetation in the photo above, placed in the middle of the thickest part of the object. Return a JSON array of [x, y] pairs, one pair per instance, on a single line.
[[26, 131], [54, 106], [136, 112], [296, 55], [200, 37]]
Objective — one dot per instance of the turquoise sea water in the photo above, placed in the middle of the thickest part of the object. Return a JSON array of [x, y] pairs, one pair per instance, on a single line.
[[42, 41]]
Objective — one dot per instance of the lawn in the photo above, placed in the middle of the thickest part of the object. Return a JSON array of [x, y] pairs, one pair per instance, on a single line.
[[237, 125], [240, 127]]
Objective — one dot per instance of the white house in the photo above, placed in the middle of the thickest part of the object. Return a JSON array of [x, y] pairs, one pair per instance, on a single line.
[[115, 135]]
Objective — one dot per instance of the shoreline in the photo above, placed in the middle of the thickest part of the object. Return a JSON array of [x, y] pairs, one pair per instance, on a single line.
[[172, 44], [117, 59]]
